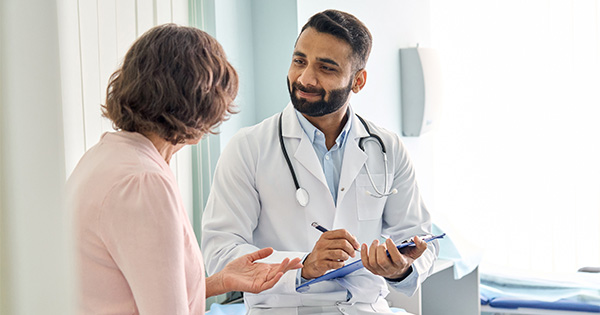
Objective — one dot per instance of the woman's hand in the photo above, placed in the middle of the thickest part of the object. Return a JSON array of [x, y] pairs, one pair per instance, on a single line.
[[244, 274]]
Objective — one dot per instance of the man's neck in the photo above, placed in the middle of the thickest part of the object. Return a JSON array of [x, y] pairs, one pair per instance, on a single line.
[[331, 124]]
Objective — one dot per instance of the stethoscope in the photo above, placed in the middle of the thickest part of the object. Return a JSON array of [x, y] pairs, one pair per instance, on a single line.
[[301, 193]]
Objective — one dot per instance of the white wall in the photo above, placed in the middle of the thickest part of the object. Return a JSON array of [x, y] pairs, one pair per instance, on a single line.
[[517, 152], [36, 241]]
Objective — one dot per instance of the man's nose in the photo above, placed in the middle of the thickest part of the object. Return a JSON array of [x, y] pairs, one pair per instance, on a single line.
[[308, 77]]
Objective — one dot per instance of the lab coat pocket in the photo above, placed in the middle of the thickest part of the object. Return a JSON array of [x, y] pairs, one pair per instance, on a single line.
[[368, 206]]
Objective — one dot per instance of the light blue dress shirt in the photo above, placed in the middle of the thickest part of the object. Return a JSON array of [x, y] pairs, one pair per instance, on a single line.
[[331, 160]]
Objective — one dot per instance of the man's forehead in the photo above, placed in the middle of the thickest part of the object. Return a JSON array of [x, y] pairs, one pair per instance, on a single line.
[[323, 47]]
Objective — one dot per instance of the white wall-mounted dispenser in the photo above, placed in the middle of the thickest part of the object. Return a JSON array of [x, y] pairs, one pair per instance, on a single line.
[[420, 89]]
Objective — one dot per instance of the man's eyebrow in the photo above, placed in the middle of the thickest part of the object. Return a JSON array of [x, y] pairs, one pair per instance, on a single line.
[[325, 60], [299, 54], [329, 61]]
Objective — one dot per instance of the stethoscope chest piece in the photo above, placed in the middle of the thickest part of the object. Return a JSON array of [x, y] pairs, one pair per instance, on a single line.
[[302, 196]]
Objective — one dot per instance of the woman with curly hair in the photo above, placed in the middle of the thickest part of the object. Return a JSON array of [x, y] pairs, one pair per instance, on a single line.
[[136, 249]]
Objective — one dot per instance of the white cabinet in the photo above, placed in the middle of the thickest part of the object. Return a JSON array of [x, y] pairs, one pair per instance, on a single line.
[[441, 294]]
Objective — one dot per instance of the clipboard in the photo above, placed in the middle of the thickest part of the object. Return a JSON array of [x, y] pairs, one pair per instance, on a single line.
[[352, 267]]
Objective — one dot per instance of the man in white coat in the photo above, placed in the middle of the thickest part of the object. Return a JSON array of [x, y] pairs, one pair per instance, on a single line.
[[263, 197]]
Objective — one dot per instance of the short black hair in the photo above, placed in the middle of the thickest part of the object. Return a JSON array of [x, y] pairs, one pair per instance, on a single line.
[[346, 27]]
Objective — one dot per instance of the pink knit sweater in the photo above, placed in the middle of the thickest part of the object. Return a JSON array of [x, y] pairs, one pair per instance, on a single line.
[[136, 249]]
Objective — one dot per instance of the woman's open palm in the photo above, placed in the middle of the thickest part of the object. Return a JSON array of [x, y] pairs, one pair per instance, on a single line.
[[245, 274]]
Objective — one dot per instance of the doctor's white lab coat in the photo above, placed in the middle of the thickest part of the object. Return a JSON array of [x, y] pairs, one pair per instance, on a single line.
[[252, 204]]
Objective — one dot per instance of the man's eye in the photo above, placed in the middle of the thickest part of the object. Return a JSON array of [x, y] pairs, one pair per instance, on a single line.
[[326, 68], [298, 61]]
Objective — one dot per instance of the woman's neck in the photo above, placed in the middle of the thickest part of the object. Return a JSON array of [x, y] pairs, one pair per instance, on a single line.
[[165, 148]]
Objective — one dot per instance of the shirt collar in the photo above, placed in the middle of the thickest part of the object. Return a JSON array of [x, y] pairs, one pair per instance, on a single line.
[[311, 130]]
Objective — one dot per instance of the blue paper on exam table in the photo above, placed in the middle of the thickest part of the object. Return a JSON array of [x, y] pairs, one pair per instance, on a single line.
[[352, 267]]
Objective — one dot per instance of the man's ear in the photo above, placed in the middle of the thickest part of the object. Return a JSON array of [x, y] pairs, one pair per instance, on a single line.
[[360, 78]]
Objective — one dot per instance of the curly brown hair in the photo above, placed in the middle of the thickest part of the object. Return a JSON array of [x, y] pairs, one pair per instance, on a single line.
[[175, 81]]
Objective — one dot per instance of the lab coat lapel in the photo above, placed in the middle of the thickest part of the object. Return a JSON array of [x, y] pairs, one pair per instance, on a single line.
[[304, 153], [354, 157]]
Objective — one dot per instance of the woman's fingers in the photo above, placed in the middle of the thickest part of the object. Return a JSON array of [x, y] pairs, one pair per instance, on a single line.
[[260, 254]]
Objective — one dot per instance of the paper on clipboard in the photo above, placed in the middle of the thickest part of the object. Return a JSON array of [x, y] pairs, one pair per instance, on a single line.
[[352, 267]]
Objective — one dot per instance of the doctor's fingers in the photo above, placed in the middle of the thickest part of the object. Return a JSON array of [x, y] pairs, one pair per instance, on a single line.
[[397, 259], [415, 252], [330, 254], [368, 256], [341, 234], [327, 264], [338, 239], [336, 255], [334, 245], [316, 264], [381, 263]]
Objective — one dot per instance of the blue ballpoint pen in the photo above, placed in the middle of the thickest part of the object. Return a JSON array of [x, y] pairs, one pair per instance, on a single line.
[[319, 227]]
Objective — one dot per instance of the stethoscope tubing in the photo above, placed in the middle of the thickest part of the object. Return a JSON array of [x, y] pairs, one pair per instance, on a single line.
[[302, 195], [379, 194], [285, 154]]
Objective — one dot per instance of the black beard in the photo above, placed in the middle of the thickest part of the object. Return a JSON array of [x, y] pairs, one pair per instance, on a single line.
[[337, 99]]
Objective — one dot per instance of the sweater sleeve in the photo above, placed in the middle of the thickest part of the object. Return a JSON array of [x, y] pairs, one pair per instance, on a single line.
[[143, 231]]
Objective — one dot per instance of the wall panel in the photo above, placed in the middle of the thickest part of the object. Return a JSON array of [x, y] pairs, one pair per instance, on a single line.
[[144, 16], [71, 82], [90, 69]]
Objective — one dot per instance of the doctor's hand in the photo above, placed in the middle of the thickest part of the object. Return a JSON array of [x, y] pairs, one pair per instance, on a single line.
[[330, 252], [245, 274], [397, 265]]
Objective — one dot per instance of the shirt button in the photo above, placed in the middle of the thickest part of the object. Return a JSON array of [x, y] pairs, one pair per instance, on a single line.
[[342, 189], [327, 157]]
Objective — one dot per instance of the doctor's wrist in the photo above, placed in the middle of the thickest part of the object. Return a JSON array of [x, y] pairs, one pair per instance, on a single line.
[[304, 272], [401, 277]]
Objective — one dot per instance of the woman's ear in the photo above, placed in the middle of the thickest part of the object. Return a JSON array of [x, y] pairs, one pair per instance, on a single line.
[[360, 78]]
